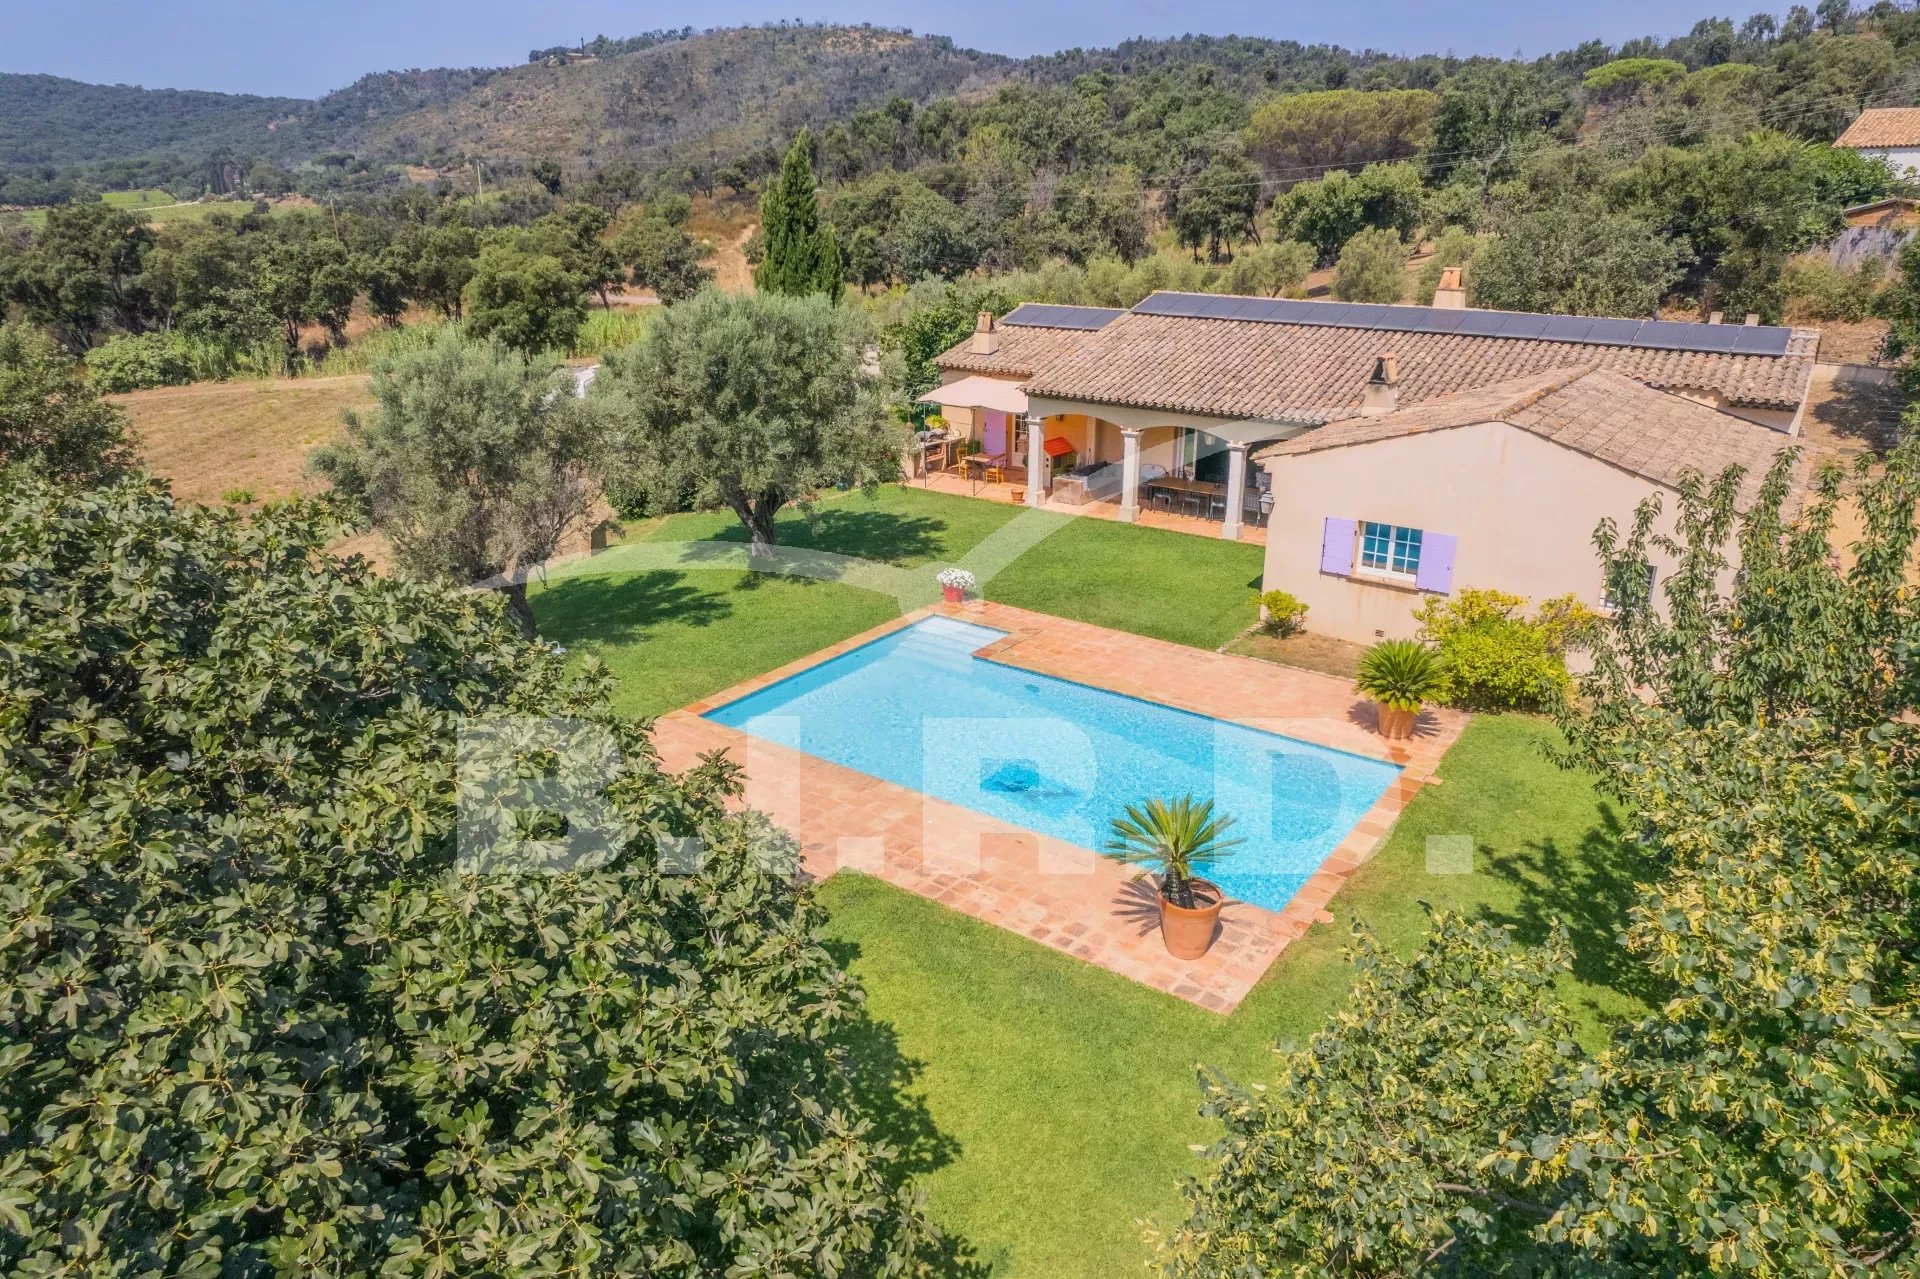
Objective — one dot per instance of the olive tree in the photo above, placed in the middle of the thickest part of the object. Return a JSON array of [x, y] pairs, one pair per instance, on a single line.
[[476, 462], [262, 1014], [751, 402]]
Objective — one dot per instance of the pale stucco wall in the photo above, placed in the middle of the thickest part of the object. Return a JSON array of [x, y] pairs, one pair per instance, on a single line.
[[1905, 161], [1523, 509]]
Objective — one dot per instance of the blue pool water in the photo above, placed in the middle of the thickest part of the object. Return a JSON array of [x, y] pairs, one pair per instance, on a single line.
[[916, 708]]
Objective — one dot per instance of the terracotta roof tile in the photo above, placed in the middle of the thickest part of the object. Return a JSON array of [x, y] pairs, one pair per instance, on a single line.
[[1592, 410], [1025, 349], [1316, 373], [1883, 127]]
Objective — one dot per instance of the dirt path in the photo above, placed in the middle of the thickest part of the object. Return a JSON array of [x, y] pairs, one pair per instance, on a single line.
[[731, 270]]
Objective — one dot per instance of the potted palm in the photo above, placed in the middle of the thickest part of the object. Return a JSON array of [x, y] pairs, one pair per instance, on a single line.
[[1400, 675], [954, 583], [1177, 838]]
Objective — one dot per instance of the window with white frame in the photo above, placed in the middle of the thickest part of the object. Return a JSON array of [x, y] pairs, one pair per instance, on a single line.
[[1627, 583], [1389, 549]]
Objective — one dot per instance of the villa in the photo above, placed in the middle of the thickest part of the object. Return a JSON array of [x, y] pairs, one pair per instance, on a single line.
[[1378, 451]]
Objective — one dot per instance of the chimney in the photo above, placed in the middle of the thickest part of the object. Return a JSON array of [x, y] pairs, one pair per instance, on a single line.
[[1752, 320], [1382, 395], [986, 334], [1716, 316], [1451, 295]]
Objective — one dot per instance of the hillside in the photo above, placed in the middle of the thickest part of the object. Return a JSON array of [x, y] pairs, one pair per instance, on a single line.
[[47, 120], [725, 90]]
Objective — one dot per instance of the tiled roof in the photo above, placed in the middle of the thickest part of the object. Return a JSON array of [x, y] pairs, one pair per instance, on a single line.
[[1883, 127], [1316, 373], [1025, 349], [1592, 410]]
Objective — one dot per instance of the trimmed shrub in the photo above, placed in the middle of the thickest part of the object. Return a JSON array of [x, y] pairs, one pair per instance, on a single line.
[[1282, 613], [137, 361], [1499, 658]]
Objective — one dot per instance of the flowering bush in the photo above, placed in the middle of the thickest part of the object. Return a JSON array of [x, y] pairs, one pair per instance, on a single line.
[[1499, 658], [955, 578], [1283, 613]]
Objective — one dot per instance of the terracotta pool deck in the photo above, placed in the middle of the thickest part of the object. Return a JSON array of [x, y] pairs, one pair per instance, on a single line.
[[1063, 896]]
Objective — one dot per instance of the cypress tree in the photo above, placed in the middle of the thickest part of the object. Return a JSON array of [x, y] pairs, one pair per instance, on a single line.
[[800, 254]]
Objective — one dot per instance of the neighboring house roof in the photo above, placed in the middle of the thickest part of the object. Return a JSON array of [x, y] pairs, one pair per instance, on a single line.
[[1316, 372], [1593, 410], [1883, 127]]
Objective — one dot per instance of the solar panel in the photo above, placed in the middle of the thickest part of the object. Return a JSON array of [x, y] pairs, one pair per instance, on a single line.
[[1717, 338], [1294, 311], [1406, 319], [1567, 328], [1163, 304], [1613, 332], [1524, 326], [1244, 308], [1329, 313], [1761, 341], [1046, 316], [1481, 324], [1658, 335]]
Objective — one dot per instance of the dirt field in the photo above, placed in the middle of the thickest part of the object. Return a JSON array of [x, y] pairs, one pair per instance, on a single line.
[[1845, 422], [214, 438]]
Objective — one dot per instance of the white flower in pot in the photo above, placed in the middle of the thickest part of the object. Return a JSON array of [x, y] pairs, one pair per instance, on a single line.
[[954, 583]]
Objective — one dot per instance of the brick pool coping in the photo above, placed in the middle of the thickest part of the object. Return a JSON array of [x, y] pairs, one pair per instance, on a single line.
[[1055, 893]]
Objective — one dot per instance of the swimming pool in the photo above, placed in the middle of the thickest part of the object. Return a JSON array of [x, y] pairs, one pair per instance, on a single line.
[[916, 708]]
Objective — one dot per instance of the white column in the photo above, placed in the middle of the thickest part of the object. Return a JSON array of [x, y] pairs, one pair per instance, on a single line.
[[1236, 488], [1129, 474], [1036, 460]]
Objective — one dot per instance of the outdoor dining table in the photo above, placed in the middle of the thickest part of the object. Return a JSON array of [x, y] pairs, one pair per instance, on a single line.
[[1182, 488]]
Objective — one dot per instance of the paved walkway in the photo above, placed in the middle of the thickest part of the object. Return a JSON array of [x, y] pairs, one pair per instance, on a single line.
[[1055, 893]]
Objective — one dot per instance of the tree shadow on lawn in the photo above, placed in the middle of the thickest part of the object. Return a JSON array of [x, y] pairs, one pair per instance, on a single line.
[[881, 536], [884, 1084], [1589, 893], [622, 608]]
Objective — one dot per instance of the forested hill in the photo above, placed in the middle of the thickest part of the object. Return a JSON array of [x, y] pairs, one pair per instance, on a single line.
[[725, 90], [47, 120], [663, 99], [118, 133]]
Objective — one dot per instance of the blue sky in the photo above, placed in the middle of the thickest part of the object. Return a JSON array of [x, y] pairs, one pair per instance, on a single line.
[[303, 48]]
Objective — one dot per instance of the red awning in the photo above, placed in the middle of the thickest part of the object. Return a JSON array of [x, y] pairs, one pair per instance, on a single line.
[[1058, 447]]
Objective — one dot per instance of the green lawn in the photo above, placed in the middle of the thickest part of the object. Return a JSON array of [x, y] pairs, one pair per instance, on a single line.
[[158, 204], [674, 635], [1048, 1106]]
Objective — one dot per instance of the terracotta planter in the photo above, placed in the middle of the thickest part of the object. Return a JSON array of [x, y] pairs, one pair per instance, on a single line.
[[954, 594], [1395, 725], [1189, 933]]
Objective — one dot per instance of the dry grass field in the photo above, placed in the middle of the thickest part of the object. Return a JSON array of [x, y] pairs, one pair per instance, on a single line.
[[213, 439]]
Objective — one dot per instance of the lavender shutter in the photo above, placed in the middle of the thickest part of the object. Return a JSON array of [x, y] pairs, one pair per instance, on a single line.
[[1436, 562], [1336, 545]]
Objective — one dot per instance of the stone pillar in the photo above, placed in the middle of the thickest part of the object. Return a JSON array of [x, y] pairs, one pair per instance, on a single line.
[[1236, 488], [1036, 460], [1129, 474]]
